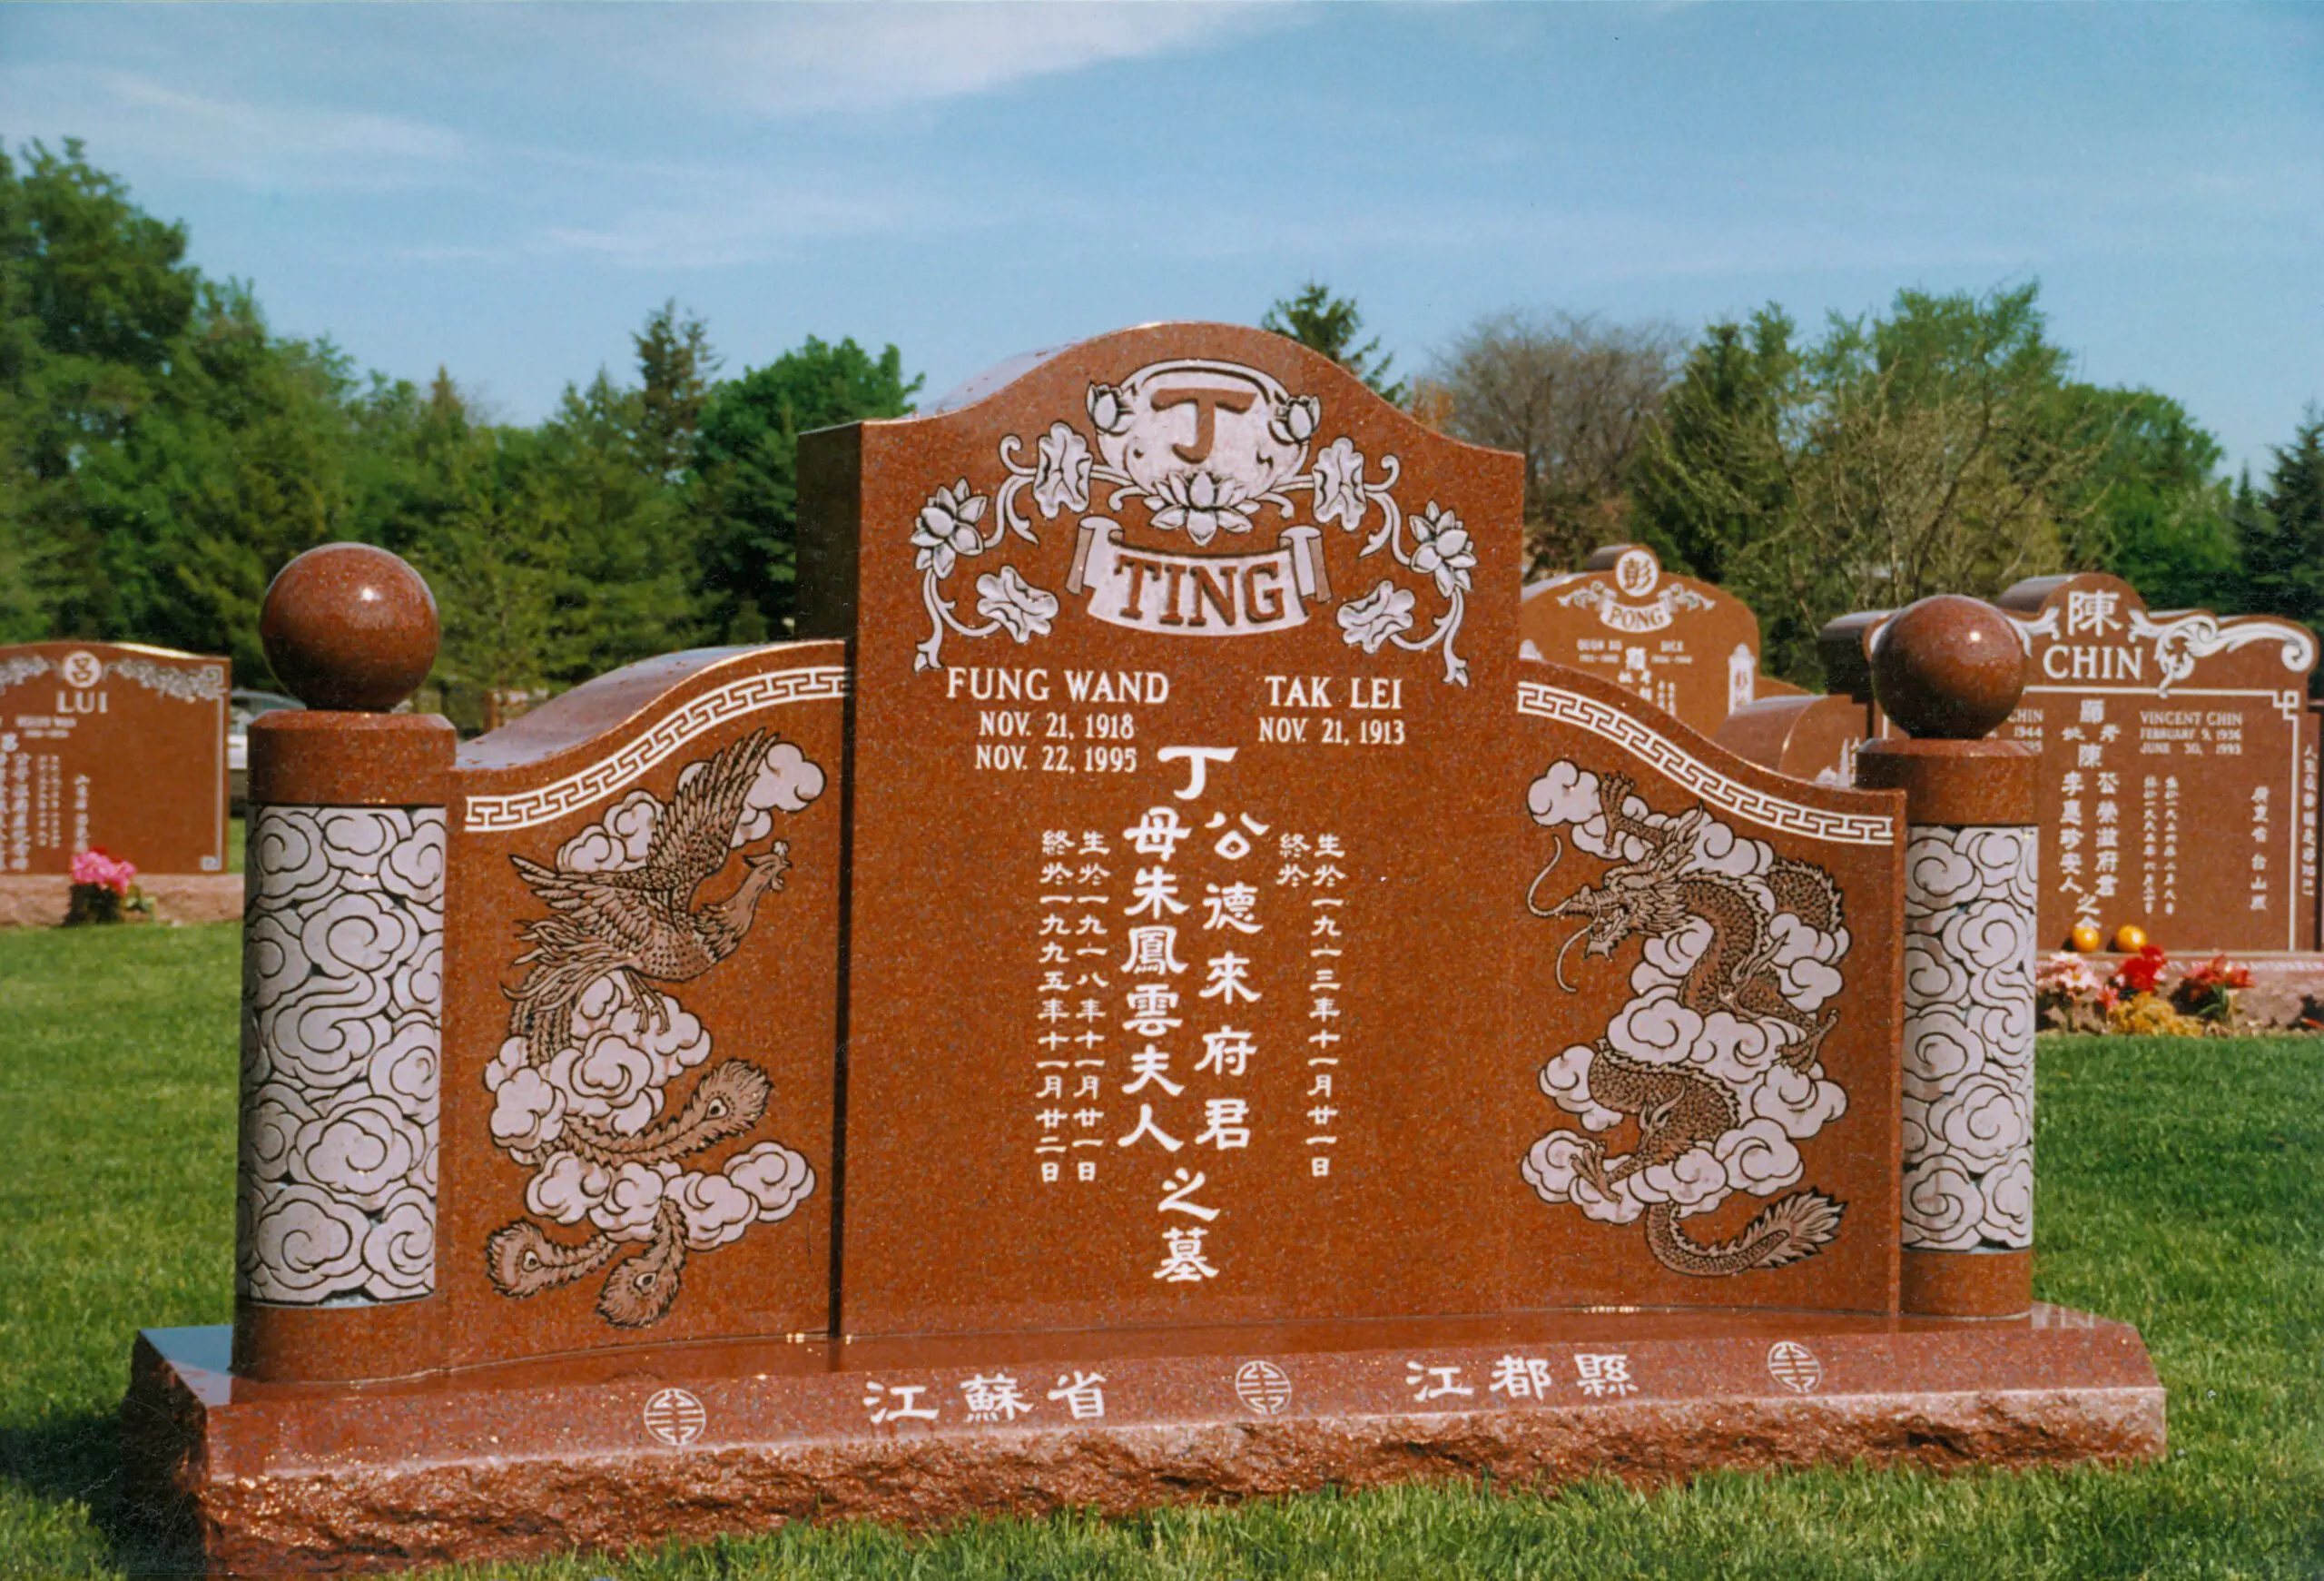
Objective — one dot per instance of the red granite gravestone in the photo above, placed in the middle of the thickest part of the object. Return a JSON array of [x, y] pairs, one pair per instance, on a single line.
[[2178, 770], [115, 747], [1165, 655], [1174, 1007], [1685, 645]]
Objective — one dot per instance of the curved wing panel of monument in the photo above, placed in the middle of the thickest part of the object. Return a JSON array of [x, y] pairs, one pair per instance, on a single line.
[[1707, 988]]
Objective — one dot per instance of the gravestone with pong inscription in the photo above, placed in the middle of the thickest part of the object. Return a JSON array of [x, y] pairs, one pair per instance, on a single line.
[[1689, 648]]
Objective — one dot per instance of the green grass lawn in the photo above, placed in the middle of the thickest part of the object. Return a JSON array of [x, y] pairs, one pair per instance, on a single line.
[[2182, 1187]]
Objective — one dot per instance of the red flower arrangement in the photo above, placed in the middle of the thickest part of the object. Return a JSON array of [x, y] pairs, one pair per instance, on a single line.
[[2207, 992], [2140, 974]]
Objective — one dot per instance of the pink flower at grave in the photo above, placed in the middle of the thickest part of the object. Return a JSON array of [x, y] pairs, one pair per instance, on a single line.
[[93, 866]]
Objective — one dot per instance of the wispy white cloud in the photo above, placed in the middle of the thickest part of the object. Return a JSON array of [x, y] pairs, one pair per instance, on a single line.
[[285, 144], [795, 60]]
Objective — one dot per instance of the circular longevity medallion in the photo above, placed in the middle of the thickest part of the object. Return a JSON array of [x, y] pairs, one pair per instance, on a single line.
[[1263, 1387], [1794, 1366], [675, 1417]]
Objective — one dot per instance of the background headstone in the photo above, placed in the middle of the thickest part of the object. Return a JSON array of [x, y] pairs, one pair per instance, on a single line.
[[2176, 767], [1689, 648], [114, 746]]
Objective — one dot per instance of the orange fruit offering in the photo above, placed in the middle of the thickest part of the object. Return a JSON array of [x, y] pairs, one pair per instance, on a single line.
[[2086, 938], [2129, 938]]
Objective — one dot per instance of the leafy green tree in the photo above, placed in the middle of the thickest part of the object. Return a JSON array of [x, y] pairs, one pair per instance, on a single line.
[[2152, 508], [1324, 322], [592, 479], [1576, 398], [238, 465], [1716, 475], [2283, 538], [746, 473], [449, 496], [1927, 451], [94, 296]]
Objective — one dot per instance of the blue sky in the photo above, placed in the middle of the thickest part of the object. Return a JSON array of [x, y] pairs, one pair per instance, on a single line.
[[508, 190]]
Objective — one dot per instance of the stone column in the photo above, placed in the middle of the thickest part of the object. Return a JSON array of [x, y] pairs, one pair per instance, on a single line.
[[1947, 670], [342, 931]]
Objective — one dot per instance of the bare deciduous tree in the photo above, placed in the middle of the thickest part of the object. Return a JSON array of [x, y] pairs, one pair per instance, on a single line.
[[1574, 395]]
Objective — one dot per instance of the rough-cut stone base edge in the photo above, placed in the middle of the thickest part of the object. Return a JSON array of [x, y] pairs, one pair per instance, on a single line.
[[39, 901], [367, 1518]]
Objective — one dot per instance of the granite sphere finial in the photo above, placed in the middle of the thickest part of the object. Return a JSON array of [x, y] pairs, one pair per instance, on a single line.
[[1948, 667], [350, 627]]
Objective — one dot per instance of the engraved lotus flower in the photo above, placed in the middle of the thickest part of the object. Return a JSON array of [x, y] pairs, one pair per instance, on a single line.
[[1339, 485], [1441, 549], [1061, 474], [1376, 618], [1025, 611], [1108, 410], [1203, 503], [946, 528], [1294, 418]]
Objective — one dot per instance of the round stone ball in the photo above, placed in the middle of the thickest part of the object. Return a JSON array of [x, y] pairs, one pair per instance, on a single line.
[[350, 627], [1948, 667]]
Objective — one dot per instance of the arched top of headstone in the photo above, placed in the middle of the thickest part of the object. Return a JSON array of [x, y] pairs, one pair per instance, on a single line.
[[1170, 481], [350, 627], [1282, 375], [2102, 619]]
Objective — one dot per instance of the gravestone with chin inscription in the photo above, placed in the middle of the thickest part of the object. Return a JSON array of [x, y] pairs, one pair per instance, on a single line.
[[1154, 997], [1689, 648], [114, 747], [2177, 768]]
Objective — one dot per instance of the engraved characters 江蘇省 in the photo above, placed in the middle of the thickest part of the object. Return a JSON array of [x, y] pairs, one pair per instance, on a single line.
[[580, 1085], [1715, 1058]]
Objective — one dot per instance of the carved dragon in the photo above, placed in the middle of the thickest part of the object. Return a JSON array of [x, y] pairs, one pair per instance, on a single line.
[[1679, 1107]]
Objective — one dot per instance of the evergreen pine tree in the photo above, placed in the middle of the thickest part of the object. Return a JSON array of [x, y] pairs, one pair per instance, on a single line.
[[2283, 542]]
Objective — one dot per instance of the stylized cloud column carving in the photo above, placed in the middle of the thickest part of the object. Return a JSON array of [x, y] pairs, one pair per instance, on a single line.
[[1948, 669], [1968, 1118], [342, 1003]]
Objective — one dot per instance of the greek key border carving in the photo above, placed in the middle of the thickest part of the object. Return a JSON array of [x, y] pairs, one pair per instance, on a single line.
[[1722, 791], [768, 689]]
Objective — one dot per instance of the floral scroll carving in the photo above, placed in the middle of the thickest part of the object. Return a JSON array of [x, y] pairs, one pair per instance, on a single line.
[[184, 684], [1211, 455]]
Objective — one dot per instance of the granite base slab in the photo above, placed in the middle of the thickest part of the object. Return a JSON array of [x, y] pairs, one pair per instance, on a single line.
[[39, 900], [693, 1442]]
